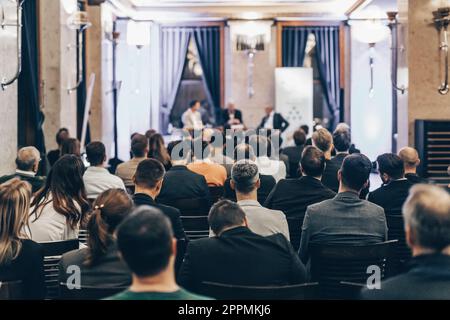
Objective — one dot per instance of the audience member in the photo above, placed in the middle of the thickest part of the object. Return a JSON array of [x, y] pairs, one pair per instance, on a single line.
[[237, 256], [148, 180], [58, 208], [323, 140], [305, 129], [97, 178], [214, 173], [218, 152], [53, 155], [345, 219], [395, 189], [411, 161], [342, 142], [245, 181], [146, 243], [71, 146], [27, 166], [294, 153], [20, 258], [264, 158], [427, 224], [158, 151], [100, 263], [343, 127], [139, 149]]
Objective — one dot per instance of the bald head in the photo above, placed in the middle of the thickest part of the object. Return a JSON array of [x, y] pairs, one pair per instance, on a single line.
[[410, 158], [28, 159]]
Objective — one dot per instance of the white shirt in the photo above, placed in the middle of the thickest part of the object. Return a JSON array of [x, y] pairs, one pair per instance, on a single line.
[[97, 180], [269, 121], [270, 167], [192, 120]]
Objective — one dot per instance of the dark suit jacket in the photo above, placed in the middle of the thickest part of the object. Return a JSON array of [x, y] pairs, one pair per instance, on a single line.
[[36, 182], [415, 179], [241, 257], [428, 278], [294, 155], [267, 184], [330, 175], [53, 156], [226, 117], [392, 196], [172, 213], [279, 123]]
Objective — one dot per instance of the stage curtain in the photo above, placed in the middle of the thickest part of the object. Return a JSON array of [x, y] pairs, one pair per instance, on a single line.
[[294, 46], [174, 44], [208, 45], [30, 117]]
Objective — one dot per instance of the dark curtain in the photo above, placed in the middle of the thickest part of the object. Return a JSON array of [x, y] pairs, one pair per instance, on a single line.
[[208, 45], [174, 44], [30, 117], [294, 40]]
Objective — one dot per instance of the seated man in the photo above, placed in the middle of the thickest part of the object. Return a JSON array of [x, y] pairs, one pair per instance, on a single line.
[[245, 181], [97, 178], [139, 150], [145, 241], [411, 161], [61, 136], [237, 256], [427, 219], [192, 118], [215, 174], [231, 116], [265, 160], [345, 219], [148, 181], [295, 153], [27, 163], [392, 195], [342, 142]]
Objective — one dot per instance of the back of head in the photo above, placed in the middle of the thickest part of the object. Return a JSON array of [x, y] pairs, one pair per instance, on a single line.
[[342, 140], [96, 153], [62, 135], [157, 148], [14, 209], [410, 157], [427, 214], [392, 165], [305, 129], [244, 152], [149, 133], [224, 215], [355, 171], [299, 137], [193, 103], [312, 162], [145, 241], [148, 173], [245, 176], [261, 145], [323, 139], [139, 146], [71, 146], [109, 210], [27, 158]]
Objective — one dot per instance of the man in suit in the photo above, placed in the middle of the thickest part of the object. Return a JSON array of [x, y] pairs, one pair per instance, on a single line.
[[231, 116], [294, 153], [411, 161], [392, 195], [237, 256], [148, 181], [323, 140], [427, 219], [27, 164], [273, 120], [345, 219], [139, 151], [61, 136]]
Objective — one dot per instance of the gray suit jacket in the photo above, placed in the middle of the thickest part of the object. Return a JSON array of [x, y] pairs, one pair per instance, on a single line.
[[343, 220]]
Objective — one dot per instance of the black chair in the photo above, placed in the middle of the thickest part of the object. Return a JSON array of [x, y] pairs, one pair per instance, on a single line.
[[52, 255], [192, 207], [396, 231], [11, 290], [181, 251], [351, 290], [87, 293], [216, 193], [295, 230], [195, 227], [333, 264], [83, 236], [233, 292]]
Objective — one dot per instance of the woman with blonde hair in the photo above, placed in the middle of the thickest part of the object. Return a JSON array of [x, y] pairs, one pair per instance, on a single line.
[[20, 258]]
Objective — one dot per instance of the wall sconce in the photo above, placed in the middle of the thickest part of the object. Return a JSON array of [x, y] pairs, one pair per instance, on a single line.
[[441, 21], [4, 82], [138, 34], [393, 26]]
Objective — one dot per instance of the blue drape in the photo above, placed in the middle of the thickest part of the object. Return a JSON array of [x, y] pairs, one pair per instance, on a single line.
[[208, 46], [30, 117], [294, 40]]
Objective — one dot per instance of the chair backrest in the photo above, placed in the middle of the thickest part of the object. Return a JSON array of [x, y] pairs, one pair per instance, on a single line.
[[195, 227], [396, 231], [58, 248], [181, 251], [232, 292], [192, 207], [11, 290], [83, 236], [332, 264], [216, 193], [295, 231], [87, 293]]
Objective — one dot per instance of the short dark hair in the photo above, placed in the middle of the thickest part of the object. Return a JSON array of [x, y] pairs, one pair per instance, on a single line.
[[313, 161], [245, 175], [342, 141], [62, 135], [148, 173], [392, 165], [355, 171], [96, 153], [305, 128], [225, 214], [299, 137], [139, 144], [180, 150], [193, 103], [144, 239]]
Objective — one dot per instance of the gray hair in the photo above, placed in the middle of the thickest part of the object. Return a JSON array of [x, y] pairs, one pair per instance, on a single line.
[[27, 158], [245, 175], [427, 214]]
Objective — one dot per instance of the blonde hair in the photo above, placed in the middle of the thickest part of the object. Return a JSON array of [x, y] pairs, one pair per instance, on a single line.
[[323, 140], [14, 207]]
